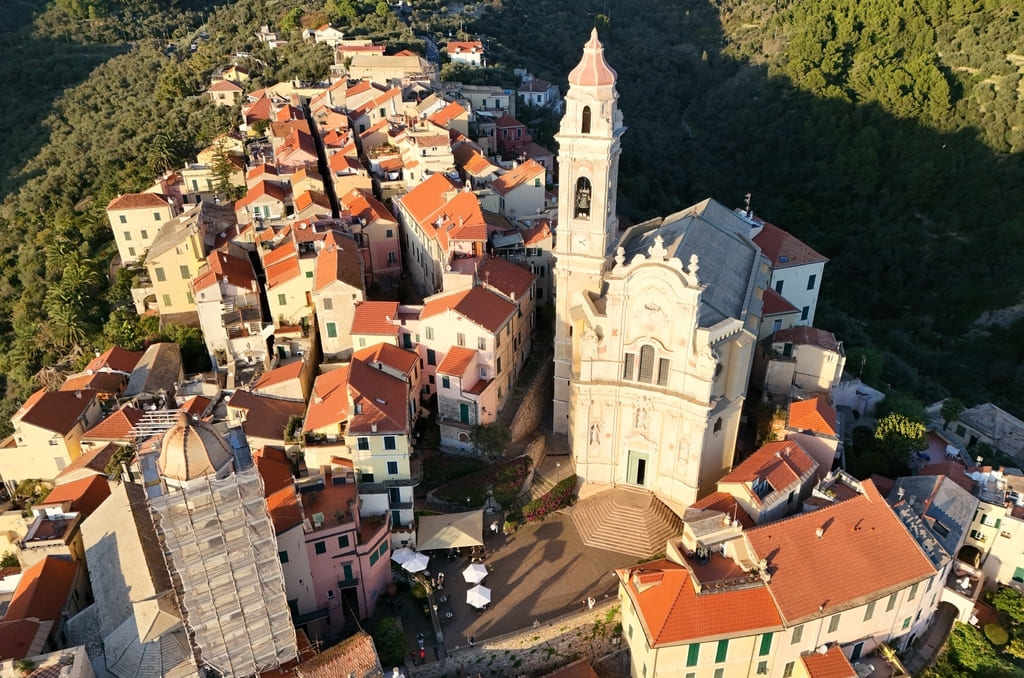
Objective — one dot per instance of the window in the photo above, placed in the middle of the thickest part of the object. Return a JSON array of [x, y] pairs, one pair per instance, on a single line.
[[483, 372], [392, 468], [392, 257], [446, 382], [1018, 575], [282, 300], [383, 548], [975, 535], [366, 477], [940, 529], [389, 233], [309, 274], [691, 674], [460, 339], [127, 235], [778, 286], [913, 592], [581, 207], [156, 216], [346, 570], [167, 299], [160, 277], [343, 544], [131, 251], [929, 587], [722, 651], [891, 604], [282, 556], [362, 342], [804, 312], [798, 633], [332, 330], [646, 364], [869, 611], [374, 558], [363, 443], [430, 378], [693, 654], [123, 219], [627, 367], [481, 343], [389, 442], [960, 430], [833, 623], [320, 547], [663, 372], [718, 425], [811, 281], [787, 672], [906, 622], [585, 121], [431, 357], [719, 673], [498, 367], [144, 234], [430, 333], [188, 297], [766, 645], [762, 668]]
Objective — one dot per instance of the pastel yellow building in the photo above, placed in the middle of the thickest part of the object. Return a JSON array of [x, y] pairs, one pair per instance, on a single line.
[[135, 219]]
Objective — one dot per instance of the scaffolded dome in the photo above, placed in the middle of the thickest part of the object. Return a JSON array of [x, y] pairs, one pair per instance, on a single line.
[[192, 449]]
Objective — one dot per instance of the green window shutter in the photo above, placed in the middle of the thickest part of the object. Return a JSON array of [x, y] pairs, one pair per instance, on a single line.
[[1018, 575], [998, 520], [723, 650], [332, 330], [693, 654], [766, 644]]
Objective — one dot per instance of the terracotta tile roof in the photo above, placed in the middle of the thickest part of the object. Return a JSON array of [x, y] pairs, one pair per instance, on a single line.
[[196, 405], [289, 112], [428, 197], [333, 502], [521, 174], [726, 503], [302, 174], [780, 463], [115, 358], [378, 399], [456, 361], [43, 590], [329, 404], [830, 664], [785, 249], [774, 303], [473, 161], [477, 304], [405, 52], [260, 109], [673, 612], [279, 375], [84, 494], [803, 335], [22, 638], [361, 203], [536, 85], [137, 201], [952, 470], [282, 129], [308, 199], [510, 279], [581, 668], [282, 272], [354, 656], [389, 354], [813, 414], [56, 411], [285, 509], [341, 163], [540, 231], [456, 47], [877, 553], [263, 188], [444, 116], [90, 463], [506, 121], [101, 382], [224, 86], [376, 127], [266, 417], [237, 271], [274, 468], [261, 169], [376, 317], [360, 87]]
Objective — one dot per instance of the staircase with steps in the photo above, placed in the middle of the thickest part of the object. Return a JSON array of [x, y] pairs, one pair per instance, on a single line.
[[626, 520], [550, 472]]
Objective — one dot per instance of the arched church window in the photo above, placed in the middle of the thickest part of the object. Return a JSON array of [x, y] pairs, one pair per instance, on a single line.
[[663, 367], [718, 425], [582, 204], [646, 363], [585, 124]]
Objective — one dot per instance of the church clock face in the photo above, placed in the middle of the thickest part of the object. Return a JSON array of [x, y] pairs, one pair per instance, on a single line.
[[580, 243]]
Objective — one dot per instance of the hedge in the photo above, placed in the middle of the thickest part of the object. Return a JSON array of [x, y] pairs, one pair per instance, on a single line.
[[557, 497]]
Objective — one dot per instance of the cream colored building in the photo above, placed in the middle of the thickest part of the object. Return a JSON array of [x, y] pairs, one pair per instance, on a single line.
[[337, 288], [805, 359], [654, 330], [135, 219]]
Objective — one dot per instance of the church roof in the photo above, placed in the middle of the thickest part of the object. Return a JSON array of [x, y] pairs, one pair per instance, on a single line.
[[729, 261], [592, 70]]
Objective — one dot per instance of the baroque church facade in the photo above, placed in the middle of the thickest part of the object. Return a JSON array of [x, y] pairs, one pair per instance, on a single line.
[[654, 327]]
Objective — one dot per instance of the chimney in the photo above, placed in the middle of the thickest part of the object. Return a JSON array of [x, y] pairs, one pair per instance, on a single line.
[[373, 427], [820, 532]]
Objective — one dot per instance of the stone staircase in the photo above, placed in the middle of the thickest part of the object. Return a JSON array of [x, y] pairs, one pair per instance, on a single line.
[[550, 472], [626, 520]]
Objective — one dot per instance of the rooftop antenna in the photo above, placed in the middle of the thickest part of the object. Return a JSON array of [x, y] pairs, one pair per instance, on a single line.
[[746, 199]]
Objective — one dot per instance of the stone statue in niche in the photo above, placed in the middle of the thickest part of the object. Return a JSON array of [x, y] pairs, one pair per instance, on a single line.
[[582, 205], [641, 416], [595, 434], [588, 347]]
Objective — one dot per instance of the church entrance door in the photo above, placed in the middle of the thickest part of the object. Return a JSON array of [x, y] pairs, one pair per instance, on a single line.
[[637, 468]]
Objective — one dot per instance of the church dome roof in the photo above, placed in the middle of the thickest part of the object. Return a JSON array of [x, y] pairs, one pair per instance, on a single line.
[[192, 449], [592, 70]]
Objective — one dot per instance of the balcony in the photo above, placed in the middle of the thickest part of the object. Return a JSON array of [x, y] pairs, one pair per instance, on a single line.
[[382, 486], [348, 583]]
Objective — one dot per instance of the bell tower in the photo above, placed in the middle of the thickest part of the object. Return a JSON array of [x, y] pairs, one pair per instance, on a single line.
[[588, 169]]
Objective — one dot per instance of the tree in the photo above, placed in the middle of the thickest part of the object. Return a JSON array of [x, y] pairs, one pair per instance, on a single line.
[[292, 20], [951, 410], [222, 168], [383, 11], [10, 559], [900, 435], [389, 640], [490, 439]]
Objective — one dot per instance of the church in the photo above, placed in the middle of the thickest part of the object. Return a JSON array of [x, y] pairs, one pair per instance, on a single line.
[[655, 327]]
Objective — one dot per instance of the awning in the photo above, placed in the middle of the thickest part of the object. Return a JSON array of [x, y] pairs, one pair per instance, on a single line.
[[451, 530]]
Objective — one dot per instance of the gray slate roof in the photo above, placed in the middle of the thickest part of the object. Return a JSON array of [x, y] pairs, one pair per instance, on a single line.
[[730, 263], [157, 371], [950, 505]]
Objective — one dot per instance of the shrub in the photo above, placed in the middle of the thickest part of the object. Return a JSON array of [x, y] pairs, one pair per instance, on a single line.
[[557, 497], [996, 634], [389, 639], [9, 559]]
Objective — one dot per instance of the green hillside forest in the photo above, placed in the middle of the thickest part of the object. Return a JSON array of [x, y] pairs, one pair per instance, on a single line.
[[886, 133]]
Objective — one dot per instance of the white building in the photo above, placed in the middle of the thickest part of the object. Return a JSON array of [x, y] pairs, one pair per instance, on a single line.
[[470, 53], [796, 267]]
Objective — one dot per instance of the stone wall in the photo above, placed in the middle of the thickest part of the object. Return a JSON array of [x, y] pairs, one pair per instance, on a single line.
[[535, 650], [528, 417]]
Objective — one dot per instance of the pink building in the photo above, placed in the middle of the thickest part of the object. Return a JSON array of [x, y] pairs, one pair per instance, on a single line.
[[377, 231]]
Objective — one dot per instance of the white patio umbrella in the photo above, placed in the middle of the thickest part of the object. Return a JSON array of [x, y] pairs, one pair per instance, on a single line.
[[475, 573], [478, 596], [416, 563], [401, 555]]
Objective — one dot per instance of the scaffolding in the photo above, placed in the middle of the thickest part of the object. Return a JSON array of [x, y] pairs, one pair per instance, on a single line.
[[221, 551]]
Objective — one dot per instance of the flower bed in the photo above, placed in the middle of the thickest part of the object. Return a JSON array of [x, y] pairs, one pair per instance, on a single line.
[[557, 497], [505, 478]]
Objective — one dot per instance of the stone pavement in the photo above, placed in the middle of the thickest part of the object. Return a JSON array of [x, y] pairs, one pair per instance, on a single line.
[[927, 647]]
